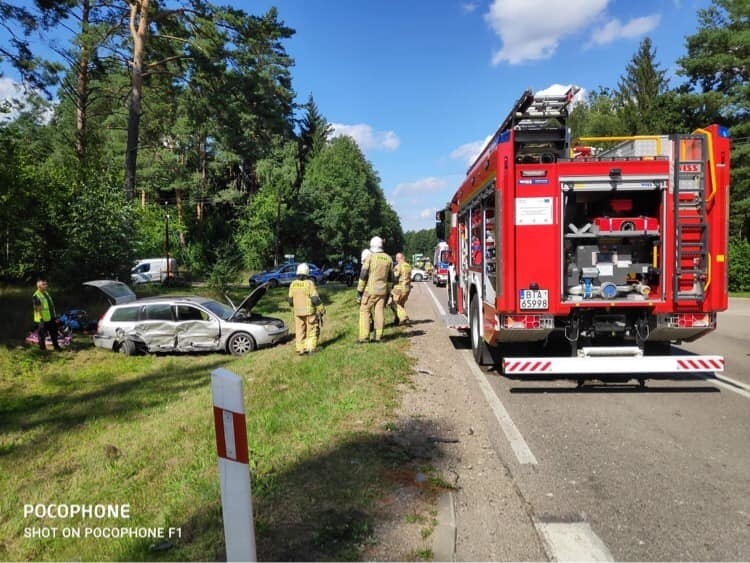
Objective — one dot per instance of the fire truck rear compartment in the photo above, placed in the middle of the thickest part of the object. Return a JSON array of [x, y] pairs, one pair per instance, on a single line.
[[611, 246]]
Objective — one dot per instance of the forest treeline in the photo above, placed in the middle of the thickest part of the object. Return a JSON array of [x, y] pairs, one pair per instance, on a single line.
[[180, 125]]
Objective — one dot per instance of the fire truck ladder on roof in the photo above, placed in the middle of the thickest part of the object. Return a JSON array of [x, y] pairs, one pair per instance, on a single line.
[[692, 262], [541, 132], [540, 123]]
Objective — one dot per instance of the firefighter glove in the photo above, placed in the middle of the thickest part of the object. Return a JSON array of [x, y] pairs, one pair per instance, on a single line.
[[359, 297]]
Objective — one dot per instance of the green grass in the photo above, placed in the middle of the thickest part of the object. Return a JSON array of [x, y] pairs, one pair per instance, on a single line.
[[86, 426]]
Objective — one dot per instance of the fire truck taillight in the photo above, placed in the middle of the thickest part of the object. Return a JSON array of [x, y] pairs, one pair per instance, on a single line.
[[691, 320], [528, 321]]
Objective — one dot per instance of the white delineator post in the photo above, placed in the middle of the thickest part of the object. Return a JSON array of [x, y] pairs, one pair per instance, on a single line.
[[231, 445]]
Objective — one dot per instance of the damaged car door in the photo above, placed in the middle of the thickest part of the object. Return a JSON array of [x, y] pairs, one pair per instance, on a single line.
[[157, 327], [196, 329]]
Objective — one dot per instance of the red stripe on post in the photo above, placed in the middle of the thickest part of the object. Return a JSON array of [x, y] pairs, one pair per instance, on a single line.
[[240, 437], [219, 425], [239, 428]]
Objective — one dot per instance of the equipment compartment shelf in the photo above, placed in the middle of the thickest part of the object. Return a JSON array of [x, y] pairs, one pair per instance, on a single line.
[[618, 234]]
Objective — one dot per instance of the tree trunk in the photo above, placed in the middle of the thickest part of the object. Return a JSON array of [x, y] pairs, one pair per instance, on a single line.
[[138, 31], [82, 93], [178, 205], [203, 167]]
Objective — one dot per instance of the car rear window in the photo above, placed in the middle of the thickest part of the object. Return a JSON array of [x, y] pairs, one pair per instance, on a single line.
[[125, 314], [159, 312]]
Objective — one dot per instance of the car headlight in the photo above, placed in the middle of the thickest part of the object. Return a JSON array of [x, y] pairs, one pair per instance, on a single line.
[[273, 326]]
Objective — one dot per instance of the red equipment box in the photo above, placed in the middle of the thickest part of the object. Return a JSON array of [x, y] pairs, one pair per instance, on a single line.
[[626, 224]]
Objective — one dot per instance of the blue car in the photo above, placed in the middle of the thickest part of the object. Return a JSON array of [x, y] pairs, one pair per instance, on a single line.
[[284, 275]]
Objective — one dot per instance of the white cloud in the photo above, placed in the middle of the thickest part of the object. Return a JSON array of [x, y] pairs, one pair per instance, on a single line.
[[615, 29], [11, 95], [422, 186], [428, 213], [469, 7], [366, 138], [468, 152], [9, 88], [14, 99], [532, 29]]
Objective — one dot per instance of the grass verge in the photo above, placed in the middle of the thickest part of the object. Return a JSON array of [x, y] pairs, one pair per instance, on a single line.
[[86, 426]]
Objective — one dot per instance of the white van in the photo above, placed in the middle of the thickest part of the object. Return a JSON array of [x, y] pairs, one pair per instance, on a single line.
[[153, 270]]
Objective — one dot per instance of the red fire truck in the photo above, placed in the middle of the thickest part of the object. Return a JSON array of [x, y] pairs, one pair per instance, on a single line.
[[602, 250]]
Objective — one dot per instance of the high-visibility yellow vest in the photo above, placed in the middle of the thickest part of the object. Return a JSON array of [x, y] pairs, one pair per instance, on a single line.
[[47, 306]]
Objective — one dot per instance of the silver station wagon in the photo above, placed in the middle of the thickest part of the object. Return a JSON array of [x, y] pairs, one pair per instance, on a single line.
[[182, 324]]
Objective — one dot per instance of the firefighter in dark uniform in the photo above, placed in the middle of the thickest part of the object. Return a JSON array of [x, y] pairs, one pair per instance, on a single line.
[[308, 311], [375, 281], [44, 315], [401, 290]]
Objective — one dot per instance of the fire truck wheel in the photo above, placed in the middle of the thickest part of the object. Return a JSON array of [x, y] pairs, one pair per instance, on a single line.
[[482, 353]]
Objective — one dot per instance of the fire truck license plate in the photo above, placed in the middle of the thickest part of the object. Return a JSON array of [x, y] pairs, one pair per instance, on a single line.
[[534, 299]]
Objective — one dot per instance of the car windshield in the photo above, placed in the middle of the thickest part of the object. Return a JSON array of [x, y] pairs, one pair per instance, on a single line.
[[224, 312]]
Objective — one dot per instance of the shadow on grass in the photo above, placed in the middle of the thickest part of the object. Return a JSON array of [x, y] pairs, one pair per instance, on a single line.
[[61, 411], [324, 508]]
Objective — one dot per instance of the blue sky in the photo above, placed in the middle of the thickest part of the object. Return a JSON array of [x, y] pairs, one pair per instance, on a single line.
[[421, 84]]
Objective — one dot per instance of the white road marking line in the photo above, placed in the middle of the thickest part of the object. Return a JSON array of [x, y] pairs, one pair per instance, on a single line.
[[734, 382], [729, 384], [440, 309], [517, 443], [574, 541]]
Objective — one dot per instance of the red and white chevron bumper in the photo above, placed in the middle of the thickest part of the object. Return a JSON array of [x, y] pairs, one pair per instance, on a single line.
[[612, 365]]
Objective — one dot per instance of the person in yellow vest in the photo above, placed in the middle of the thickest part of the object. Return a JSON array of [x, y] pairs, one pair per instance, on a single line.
[[44, 314], [401, 290], [308, 311], [375, 281]]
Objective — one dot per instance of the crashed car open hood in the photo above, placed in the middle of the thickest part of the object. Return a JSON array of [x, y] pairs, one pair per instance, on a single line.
[[250, 301], [116, 291]]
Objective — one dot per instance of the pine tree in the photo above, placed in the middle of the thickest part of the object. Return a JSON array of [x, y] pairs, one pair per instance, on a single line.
[[639, 90], [718, 63]]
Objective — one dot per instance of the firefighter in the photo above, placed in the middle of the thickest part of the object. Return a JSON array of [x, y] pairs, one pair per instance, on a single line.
[[44, 314], [401, 290], [308, 311], [374, 285]]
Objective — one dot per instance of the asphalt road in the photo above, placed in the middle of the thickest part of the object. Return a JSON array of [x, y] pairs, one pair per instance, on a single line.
[[613, 472]]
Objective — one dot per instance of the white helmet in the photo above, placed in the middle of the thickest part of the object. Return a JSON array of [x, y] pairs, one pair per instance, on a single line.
[[303, 269], [376, 244]]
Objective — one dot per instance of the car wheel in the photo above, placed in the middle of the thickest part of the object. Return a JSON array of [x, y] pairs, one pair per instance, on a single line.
[[273, 282], [418, 277], [127, 348], [240, 343]]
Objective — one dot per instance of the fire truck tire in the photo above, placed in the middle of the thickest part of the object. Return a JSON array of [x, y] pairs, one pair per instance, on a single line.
[[484, 355]]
